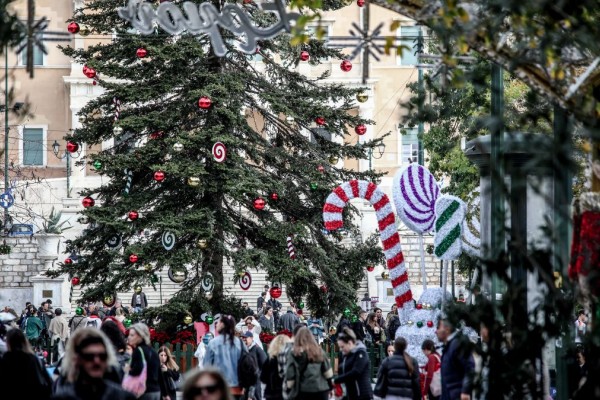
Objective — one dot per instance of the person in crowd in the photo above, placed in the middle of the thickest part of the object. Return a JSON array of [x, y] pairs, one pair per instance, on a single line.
[[260, 357], [390, 350], [359, 327], [22, 371], [115, 308], [247, 310], [354, 367], [33, 328], [379, 316], [374, 329], [59, 330], [170, 374], [119, 345], [283, 356], [276, 306], [434, 362], [393, 311], [288, 320], [45, 313], [206, 384], [201, 349], [88, 358], [78, 321], [308, 374], [315, 325], [224, 351], [580, 326], [24, 315], [120, 314], [267, 320], [261, 302], [138, 301], [457, 364], [269, 374], [343, 323], [118, 323], [139, 339], [398, 375], [94, 320], [249, 324]]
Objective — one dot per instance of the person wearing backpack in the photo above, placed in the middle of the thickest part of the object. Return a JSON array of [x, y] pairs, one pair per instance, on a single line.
[[93, 321], [398, 375], [433, 377], [308, 372], [226, 352], [78, 321]]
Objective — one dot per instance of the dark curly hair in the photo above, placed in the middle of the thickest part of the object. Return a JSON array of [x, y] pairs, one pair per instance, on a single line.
[[114, 334]]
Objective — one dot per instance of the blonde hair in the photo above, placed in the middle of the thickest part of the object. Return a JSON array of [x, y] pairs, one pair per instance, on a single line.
[[277, 345], [70, 367], [304, 342], [171, 364]]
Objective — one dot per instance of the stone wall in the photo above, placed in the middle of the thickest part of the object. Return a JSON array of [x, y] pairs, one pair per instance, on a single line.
[[16, 271]]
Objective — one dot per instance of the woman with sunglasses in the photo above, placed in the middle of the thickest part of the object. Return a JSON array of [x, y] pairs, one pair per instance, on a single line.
[[207, 384], [354, 367], [88, 357]]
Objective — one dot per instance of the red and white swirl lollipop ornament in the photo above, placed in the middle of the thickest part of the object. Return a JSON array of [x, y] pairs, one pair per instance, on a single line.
[[290, 247], [246, 281], [332, 215], [219, 152]]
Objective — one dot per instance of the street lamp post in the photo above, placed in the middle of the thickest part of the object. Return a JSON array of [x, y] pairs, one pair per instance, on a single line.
[[66, 154], [378, 155]]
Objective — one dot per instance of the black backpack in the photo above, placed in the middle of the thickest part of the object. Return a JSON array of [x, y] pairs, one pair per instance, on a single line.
[[247, 369]]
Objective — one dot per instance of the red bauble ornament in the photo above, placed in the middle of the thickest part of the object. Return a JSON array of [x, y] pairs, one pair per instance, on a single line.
[[89, 72], [72, 147], [156, 135], [141, 52], [324, 289], [94, 83], [419, 306], [274, 196], [133, 258], [346, 65], [360, 129], [430, 324], [88, 202], [321, 168], [299, 311], [73, 27], [275, 292], [259, 203], [75, 281], [304, 55], [247, 1], [370, 268], [68, 261], [204, 102], [360, 3], [159, 176], [133, 215], [320, 121]]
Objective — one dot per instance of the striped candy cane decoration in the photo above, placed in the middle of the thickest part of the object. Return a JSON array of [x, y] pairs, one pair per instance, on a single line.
[[290, 247], [129, 175], [450, 213], [332, 215], [117, 104]]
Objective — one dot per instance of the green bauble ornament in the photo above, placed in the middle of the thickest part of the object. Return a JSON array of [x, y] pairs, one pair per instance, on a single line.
[[210, 319], [97, 165], [301, 305], [347, 312], [419, 324], [314, 186], [127, 323]]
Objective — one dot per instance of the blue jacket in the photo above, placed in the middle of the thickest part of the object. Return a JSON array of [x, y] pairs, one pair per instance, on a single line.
[[457, 369], [221, 354], [316, 330]]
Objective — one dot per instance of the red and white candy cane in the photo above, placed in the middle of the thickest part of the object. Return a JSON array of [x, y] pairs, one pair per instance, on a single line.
[[290, 247], [332, 215], [117, 104]]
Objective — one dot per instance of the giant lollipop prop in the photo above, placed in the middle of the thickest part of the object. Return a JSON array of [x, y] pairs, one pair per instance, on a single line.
[[332, 215]]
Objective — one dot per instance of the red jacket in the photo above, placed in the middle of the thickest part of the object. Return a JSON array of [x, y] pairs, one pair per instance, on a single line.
[[433, 364]]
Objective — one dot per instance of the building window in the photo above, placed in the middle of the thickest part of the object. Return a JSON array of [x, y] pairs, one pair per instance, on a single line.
[[33, 146], [410, 146], [408, 40], [38, 54]]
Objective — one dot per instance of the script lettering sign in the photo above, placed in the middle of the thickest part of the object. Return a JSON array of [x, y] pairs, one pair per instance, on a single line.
[[206, 19]]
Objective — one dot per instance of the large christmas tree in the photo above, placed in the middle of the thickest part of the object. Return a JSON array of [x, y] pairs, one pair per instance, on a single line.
[[168, 101]]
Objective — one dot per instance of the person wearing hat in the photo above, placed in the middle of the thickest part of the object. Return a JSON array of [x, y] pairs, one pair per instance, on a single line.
[[78, 321], [260, 357], [139, 340]]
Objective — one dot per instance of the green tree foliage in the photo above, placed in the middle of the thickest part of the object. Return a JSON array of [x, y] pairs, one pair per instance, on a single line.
[[267, 153]]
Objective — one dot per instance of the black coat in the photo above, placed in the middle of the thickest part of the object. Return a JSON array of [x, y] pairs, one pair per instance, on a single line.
[[457, 369], [354, 371], [269, 375], [394, 378], [153, 371], [24, 376], [79, 391]]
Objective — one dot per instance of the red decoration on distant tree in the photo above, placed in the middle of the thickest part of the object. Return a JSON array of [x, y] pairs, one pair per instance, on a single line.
[[324, 289], [72, 147], [89, 72], [159, 176], [360, 129], [346, 65], [133, 215], [370, 268], [304, 55], [320, 121], [88, 202], [274, 196], [430, 324], [141, 52], [259, 203], [275, 292], [419, 306], [73, 28], [156, 135], [68, 261], [360, 3], [321, 168], [75, 281], [204, 102], [133, 258]]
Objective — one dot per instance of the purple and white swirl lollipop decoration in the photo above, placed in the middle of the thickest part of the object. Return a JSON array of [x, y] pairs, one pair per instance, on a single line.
[[415, 192]]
